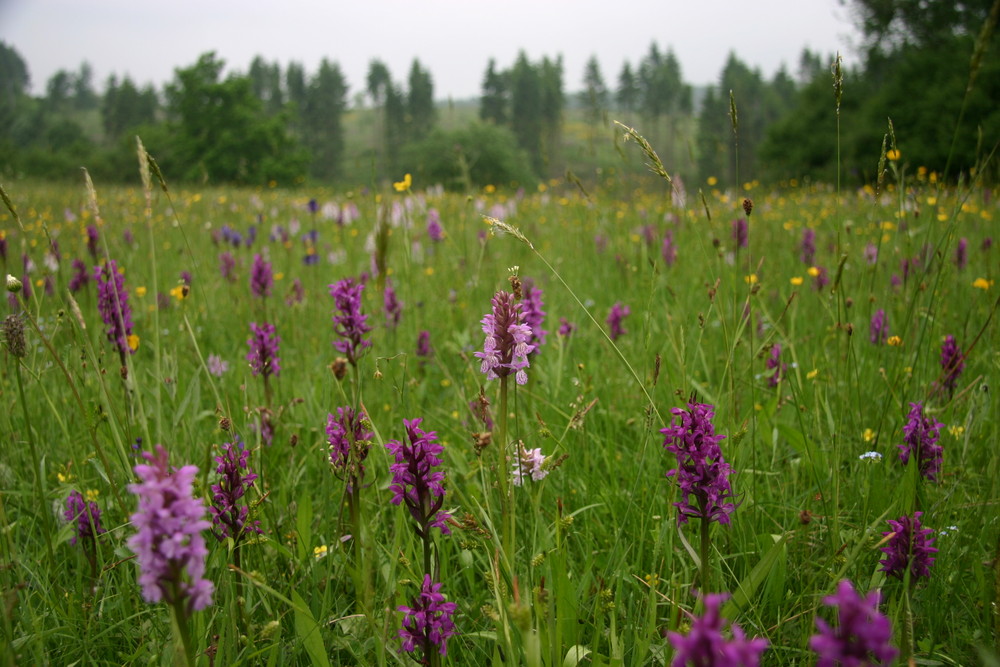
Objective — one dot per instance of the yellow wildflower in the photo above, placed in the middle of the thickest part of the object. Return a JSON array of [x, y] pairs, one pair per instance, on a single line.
[[868, 435], [751, 279], [133, 342], [982, 283], [811, 375], [712, 181], [895, 341], [91, 494], [892, 155], [796, 280], [403, 185], [180, 292], [956, 431], [320, 551], [812, 271], [140, 291]]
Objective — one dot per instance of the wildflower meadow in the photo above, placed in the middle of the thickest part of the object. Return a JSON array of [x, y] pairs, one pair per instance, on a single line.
[[636, 423]]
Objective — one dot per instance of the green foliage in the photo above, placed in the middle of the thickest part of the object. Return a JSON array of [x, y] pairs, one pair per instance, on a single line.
[[222, 134], [474, 156]]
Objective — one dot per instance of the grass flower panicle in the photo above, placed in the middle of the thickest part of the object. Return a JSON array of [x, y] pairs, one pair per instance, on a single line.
[[415, 482], [920, 438], [701, 471], [507, 345], [229, 515], [168, 544], [348, 321], [428, 623], [706, 645], [909, 547], [862, 634]]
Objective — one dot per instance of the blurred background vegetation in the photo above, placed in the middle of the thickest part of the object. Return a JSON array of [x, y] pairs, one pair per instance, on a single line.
[[931, 66]]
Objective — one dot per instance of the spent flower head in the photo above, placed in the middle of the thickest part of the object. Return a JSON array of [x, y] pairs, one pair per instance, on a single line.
[[349, 436]]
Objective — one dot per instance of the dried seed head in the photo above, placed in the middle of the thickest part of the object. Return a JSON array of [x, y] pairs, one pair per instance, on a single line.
[[339, 367], [13, 284], [515, 286], [225, 424], [747, 206], [13, 336]]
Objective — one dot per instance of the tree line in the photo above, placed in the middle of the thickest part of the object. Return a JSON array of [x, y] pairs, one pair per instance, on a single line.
[[936, 75]]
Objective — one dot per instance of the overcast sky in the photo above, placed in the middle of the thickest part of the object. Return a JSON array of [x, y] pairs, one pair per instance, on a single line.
[[454, 39]]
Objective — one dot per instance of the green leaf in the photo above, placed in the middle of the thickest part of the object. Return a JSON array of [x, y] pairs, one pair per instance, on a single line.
[[746, 589], [574, 655], [308, 631]]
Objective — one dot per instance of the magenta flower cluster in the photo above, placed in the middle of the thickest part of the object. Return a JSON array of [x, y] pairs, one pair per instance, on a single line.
[[701, 471], [348, 322], [615, 320], [229, 515], [112, 303], [920, 437], [706, 645], [952, 363], [168, 544], [909, 547], [862, 634], [534, 315], [774, 363], [261, 278], [507, 343], [427, 622], [878, 330], [349, 437], [263, 354], [393, 308], [415, 481], [86, 517]]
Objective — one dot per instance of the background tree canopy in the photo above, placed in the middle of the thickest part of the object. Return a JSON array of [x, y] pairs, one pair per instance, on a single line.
[[930, 66]]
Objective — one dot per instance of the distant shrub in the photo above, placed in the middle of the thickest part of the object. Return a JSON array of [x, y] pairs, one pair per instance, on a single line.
[[477, 155]]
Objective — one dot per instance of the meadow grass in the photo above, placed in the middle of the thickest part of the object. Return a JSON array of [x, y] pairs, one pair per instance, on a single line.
[[600, 570]]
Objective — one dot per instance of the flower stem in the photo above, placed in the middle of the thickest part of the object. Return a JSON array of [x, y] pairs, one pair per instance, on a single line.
[[35, 465], [706, 545], [182, 633], [507, 514]]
